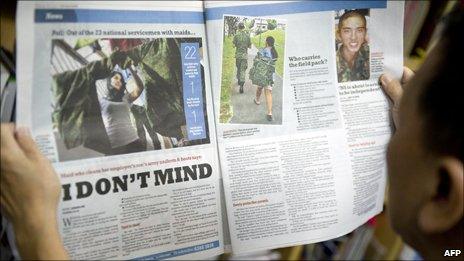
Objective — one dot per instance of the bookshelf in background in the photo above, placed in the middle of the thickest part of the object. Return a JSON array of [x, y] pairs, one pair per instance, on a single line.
[[421, 28]]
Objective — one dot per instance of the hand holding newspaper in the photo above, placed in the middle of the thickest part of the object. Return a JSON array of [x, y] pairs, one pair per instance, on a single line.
[[240, 126]]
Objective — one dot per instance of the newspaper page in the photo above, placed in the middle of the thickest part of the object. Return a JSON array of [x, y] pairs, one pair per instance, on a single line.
[[117, 95], [302, 123]]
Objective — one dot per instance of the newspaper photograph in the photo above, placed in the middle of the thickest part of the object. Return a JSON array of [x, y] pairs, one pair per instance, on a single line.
[[253, 48], [117, 95], [352, 46]]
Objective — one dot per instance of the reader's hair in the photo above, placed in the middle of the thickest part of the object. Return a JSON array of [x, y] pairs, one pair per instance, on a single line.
[[440, 101]]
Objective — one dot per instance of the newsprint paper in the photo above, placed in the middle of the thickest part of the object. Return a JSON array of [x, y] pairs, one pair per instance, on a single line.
[[118, 96], [181, 130]]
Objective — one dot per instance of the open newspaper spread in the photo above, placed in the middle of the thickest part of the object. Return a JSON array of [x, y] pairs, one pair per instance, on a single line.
[[119, 96], [315, 170]]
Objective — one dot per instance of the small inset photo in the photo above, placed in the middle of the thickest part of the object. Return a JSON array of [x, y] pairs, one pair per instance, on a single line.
[[252, 70], [352, 45]]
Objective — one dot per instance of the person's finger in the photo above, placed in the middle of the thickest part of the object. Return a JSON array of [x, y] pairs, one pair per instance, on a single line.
[[26, 142], [7, 134], [9, 146], [392, 88], [407, 75]]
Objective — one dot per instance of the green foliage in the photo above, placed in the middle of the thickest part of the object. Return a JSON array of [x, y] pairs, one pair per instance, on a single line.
[[279, 35], [81, 42], [250, 24], [259, 31], [228, 65], [271, 24], [231, 24]]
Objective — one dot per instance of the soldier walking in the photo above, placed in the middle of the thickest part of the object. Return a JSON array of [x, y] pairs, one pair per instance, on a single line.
[[241, 42]]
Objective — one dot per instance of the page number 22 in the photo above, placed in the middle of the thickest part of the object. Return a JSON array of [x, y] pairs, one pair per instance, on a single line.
[[190, 52]]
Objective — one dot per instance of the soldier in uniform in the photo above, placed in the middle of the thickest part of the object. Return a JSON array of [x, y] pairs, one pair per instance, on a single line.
[[241, 42], [353, 54]]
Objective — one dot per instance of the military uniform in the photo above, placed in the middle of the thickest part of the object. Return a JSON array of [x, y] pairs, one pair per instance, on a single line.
[[360, 70], [241, 42], [77, 113]]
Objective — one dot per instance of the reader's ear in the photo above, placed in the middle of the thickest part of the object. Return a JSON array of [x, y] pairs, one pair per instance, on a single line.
[[444, 209]]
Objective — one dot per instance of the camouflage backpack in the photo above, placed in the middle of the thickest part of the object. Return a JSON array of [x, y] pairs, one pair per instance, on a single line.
[[262, 70]]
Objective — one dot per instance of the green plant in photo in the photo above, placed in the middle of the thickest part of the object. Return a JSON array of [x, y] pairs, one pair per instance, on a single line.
[[271, 24], [228, 64]]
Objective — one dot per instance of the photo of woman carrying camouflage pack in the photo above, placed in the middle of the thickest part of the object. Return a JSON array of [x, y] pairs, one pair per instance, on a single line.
[[252, 63], [262, 74]]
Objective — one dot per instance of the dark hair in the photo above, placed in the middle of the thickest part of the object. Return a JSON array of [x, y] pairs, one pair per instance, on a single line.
[[348, 14], [440, 101], [113, 94], [270, 42], [241, 25]]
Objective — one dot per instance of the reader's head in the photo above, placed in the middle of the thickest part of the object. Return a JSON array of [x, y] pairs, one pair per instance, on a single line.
[[426, 153]]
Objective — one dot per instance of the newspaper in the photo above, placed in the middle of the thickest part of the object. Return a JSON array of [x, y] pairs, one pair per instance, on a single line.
[[315, 170], [136, 112], [139, 164]]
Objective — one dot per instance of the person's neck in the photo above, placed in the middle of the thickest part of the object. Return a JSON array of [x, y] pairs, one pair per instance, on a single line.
[[348, 56]]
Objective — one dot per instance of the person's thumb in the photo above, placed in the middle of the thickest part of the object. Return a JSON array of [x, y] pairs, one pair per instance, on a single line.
[[392, 88], [27, 143]]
